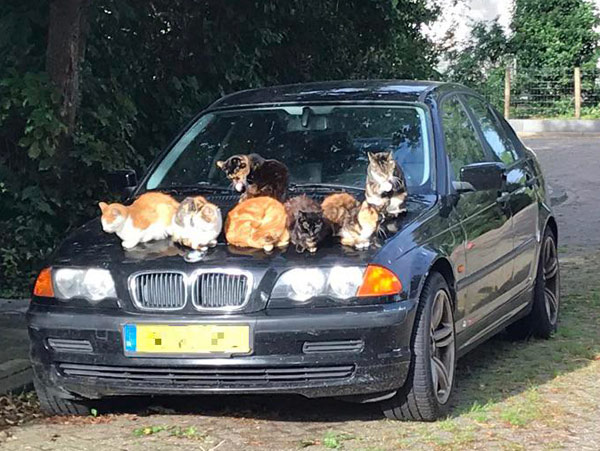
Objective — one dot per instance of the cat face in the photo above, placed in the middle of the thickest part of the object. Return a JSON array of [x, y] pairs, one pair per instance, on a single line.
[[236, 168], [113, 216], [381, 166], [310, 223]]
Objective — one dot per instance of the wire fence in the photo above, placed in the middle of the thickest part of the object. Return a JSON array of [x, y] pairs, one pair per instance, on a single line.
[[545, 93]]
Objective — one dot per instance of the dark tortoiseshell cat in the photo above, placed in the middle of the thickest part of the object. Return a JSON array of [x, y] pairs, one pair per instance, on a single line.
[[253, 176], [306, 223], [386, 185]]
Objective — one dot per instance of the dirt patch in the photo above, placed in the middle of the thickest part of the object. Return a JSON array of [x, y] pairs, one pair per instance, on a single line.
[[533, 395]]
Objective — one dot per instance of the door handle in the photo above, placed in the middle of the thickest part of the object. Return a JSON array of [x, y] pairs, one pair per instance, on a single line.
[[530, 181]]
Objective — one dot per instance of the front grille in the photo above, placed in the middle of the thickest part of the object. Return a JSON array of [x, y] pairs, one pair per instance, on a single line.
[[208, 376], [158, 291], [221, 289]]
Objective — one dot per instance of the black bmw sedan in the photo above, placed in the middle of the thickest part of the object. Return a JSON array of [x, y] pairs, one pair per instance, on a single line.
[[475, 254]]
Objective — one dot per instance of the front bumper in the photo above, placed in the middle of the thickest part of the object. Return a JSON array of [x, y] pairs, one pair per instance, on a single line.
[[316, 353]]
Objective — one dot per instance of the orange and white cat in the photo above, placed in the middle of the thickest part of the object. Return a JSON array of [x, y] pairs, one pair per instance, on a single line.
[[148, 218], [197, 223], [258, 222]]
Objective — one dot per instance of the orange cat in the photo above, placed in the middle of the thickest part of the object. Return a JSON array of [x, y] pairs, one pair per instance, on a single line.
[[259, 222], [148, 218]]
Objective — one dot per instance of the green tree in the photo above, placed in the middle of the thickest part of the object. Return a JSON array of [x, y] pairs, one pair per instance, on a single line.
[[148, 67], [486, 50], [555, 34]]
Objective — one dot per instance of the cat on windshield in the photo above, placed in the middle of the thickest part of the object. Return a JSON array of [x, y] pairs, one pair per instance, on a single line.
[[386, 184], [353, 221], [197, 223], [148, 218], [253, 176], [306, 223], [259, 222]]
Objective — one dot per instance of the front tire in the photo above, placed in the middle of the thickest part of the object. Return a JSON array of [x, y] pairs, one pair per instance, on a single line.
[[51, 404], [430, 384]]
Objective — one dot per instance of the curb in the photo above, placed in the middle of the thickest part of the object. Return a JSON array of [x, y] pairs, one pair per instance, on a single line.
[[557, 195], [15, 376]]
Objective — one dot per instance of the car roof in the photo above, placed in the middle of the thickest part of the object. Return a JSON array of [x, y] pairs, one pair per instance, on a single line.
[[335, 91]]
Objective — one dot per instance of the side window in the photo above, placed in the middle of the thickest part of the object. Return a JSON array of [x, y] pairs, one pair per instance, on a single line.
[[462, 142], [493, 132]]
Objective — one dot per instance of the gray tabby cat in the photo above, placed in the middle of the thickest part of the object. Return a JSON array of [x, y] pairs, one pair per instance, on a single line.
[[386, 185]]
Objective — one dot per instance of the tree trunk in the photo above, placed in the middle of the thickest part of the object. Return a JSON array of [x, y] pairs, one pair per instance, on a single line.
[[66, 45]]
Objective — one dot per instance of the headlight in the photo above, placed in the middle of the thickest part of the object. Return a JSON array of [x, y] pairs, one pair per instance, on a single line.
[[302, 284], [92, 284], [343, 282]]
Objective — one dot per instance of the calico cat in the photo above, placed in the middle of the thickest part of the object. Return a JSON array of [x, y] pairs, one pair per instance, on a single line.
[[197, 223], [259, 222], [386, 185], [354, 222], [336, 207], [306, 223], [253, 176], [148, 218]]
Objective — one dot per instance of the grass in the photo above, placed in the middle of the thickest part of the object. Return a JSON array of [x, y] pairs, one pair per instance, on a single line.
[[172, 430]]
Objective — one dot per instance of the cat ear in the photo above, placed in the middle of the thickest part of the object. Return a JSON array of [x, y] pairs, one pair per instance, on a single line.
[[103, 206], [371, 155], [220, 164]]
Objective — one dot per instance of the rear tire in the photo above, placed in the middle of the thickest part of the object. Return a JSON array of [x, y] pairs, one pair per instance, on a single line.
[[542, 322], [51, 404], [429, 387]]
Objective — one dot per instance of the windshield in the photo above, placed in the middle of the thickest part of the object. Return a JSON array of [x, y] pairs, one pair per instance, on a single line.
[[319, 144]]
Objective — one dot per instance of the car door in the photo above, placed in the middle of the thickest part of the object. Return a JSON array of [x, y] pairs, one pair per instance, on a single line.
[[485, 218], [520, 188]]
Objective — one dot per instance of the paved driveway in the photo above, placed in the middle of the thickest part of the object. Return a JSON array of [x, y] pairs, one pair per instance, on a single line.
[[572, 163]]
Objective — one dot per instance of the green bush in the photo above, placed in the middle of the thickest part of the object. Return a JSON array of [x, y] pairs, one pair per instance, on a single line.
[[147, 70]]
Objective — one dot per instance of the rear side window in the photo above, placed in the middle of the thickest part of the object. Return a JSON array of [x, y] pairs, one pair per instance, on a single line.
[[462, 142], [493, 132]]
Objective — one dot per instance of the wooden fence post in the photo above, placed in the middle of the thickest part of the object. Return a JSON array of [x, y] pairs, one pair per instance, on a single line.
[[507, 93], [577, 77]]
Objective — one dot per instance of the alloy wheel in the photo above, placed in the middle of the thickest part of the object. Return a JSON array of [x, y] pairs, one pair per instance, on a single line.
[[551, 285], [442, 346]]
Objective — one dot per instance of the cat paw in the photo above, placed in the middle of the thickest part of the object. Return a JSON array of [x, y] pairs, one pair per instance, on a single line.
[[213, 243], [386, 187], [128, 244], [312, 250], [268, 248]]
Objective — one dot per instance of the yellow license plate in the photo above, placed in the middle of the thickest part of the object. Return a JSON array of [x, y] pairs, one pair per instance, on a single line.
[[188, 339]]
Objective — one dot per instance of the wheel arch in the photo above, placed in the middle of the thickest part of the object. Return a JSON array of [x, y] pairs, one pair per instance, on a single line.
[[443, 266], [551, 223]]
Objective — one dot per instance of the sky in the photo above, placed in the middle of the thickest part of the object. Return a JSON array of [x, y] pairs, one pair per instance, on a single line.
[[469, 11]]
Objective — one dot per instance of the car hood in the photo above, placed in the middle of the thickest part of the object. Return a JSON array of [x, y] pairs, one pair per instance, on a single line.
[[91, 246]]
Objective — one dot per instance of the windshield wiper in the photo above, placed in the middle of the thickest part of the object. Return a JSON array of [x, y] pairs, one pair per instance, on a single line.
[[323, 187], [199, 187]]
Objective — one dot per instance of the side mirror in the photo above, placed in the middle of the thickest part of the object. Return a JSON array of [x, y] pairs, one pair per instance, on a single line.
[[123, 181], [481, 177]]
